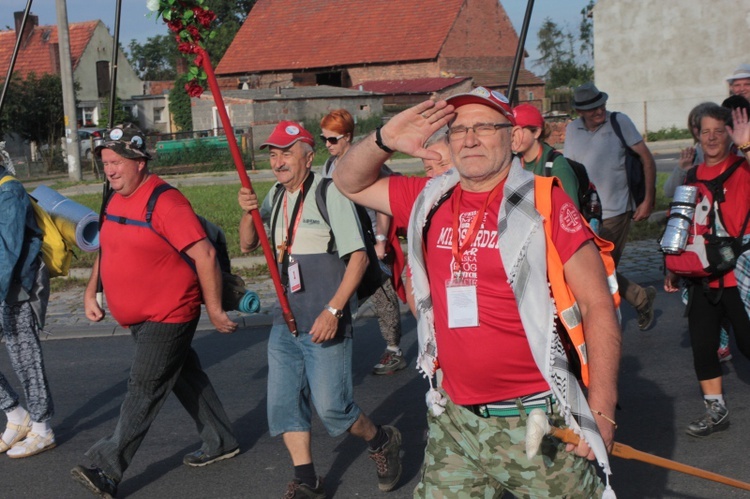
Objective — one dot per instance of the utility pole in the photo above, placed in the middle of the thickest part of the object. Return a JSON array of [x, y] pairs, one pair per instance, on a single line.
[[72, 153]]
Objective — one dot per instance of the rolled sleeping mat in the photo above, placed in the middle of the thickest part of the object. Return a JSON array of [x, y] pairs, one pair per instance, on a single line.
[[250, 303], [78, 224]]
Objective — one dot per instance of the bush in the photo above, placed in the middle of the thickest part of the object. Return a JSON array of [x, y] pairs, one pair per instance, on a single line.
[[672, 133]]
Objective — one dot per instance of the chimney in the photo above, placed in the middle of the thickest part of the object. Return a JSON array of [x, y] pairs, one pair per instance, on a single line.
[[31, 23]]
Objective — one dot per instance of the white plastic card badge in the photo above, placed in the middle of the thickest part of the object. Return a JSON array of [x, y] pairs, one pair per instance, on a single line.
[[463, 310], [295, 279]]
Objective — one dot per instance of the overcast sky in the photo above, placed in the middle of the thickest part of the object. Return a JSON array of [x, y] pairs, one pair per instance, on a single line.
[[135, 23]]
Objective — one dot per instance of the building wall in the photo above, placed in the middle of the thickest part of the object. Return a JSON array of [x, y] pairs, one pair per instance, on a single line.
[[262, 116], [100, 49], [146, 109], [482, 28], [658, 58], [408, 71]]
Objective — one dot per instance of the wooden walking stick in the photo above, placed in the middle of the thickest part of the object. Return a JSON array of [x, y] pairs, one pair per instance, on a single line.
[[538, 426]]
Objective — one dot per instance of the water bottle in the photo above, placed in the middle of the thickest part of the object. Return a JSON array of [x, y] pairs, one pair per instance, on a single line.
[[681, 211], [594, 208]]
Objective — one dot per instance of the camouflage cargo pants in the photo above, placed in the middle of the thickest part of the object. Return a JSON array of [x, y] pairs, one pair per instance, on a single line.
[[472, 457]]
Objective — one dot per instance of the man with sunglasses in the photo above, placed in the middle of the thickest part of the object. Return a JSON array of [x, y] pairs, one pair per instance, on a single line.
[[591, 139], [153, 291], [477, 251]]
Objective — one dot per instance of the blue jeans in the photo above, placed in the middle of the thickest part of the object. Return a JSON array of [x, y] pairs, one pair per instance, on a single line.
[[301, 372], [163, 362]]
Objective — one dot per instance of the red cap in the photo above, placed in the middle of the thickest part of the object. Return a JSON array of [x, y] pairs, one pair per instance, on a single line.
[[528, 116], [487, 97], [286, 134]]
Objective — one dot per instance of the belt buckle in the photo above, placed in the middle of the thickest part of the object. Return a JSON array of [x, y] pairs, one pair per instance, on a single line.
[[480, 410]]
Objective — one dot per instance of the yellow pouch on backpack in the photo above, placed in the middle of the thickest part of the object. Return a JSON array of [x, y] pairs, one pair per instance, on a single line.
[[56, 253]]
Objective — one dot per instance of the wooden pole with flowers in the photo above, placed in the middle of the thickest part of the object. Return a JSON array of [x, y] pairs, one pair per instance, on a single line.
[[190, 21]]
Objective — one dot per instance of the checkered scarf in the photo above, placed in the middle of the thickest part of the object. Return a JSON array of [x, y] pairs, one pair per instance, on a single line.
[[742, 274], [522, 241]]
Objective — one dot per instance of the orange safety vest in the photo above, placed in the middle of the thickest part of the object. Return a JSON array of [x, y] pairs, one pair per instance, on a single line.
[[565, 302]]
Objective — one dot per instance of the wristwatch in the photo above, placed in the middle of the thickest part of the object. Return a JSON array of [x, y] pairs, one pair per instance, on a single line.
[[380, 238], [336, 312]]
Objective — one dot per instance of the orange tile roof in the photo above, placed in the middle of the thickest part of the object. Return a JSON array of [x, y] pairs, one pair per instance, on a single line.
[[293, 35], [34, 54]]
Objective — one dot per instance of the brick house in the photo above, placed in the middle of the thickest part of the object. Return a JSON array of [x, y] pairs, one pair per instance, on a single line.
[[286, 43]]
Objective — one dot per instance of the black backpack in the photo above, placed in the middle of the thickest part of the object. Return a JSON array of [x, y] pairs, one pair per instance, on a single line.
[[585, 187], [374, 275]]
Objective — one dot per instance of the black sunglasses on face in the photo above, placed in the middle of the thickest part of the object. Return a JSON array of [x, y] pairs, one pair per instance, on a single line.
[[332, 140]]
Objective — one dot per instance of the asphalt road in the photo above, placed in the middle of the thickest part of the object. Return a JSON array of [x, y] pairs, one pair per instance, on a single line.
[[658, 396]]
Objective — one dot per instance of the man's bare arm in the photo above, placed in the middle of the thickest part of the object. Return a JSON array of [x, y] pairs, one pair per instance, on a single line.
[[249, 239], [643, 210], [209, 278], [585, 274]]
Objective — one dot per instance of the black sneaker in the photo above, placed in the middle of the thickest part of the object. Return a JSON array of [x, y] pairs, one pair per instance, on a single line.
[[389, 363], [297, 490], [95, 480], [200, 458], [715, 419], [646, 314], [388, 460]]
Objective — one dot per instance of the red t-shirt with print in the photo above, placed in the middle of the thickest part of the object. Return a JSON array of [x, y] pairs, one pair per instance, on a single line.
[[492, 361]]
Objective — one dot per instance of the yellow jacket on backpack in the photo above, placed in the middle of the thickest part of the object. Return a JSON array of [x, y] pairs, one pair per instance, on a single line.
[[56, 253], [565, 302]]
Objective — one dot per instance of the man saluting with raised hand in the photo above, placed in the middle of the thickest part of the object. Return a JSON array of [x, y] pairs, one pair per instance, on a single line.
[[485, 315]]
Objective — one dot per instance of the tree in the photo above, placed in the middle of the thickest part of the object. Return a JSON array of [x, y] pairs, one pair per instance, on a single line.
[[34, 108], [156, 59], [564, 57], [179, 104], [121, 115]]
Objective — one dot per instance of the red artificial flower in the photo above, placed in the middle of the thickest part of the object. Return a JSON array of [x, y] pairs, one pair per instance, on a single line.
[[193, 89], [204, 16], [175, 25], [198, 61], [186, 48], [194, 33]]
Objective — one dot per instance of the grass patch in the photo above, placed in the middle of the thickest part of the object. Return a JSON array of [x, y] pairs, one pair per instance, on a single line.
[[250, 274], [217, 203], [671, 133], [57, 285]]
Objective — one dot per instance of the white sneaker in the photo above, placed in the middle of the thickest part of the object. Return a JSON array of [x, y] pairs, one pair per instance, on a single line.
[[32, 445]]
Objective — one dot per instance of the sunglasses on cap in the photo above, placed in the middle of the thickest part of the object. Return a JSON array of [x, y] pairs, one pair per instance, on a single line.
[[332, 140]]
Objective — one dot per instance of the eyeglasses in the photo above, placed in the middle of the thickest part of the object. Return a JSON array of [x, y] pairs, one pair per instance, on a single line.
[[480, 130], [333, 140]]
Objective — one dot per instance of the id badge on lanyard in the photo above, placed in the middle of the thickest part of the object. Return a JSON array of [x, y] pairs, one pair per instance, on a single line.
[[463, 310], [461, 293]]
